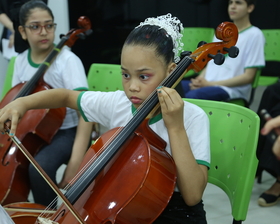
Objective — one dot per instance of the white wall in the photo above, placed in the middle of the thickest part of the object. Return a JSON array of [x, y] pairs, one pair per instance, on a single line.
[[3, 65], [60, 11]]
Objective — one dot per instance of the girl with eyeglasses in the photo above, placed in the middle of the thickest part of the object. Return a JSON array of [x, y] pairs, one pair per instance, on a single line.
[[37, 28]]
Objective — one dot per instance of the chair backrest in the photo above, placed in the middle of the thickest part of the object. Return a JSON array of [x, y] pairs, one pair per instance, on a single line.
[[104, 77], [9, 76], [192, 36], [234, 132], [272, 53]]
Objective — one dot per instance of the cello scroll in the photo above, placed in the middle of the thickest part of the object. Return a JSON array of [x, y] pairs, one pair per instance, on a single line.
[[228, 33]]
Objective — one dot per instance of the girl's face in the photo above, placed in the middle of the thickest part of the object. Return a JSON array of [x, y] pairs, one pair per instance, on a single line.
[[239, 9], [142, 72], [40, 39]]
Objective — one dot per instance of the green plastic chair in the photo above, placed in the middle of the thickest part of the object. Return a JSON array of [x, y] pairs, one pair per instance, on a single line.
[[104, 77], [191, 38], [234, 134], [9, 76], [272, 53]]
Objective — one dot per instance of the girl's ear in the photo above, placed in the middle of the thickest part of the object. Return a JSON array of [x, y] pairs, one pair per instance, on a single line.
[[251, 8], [171, 67], [22, 32]]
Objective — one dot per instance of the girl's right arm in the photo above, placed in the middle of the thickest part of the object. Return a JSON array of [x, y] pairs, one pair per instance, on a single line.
[[53, 98]]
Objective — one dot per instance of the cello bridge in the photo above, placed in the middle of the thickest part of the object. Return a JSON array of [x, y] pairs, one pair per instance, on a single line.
[[41, 220]]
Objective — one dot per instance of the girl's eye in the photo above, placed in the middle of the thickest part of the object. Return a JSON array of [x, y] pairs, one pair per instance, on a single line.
[[34, 27], [125, 75], [144, 77]]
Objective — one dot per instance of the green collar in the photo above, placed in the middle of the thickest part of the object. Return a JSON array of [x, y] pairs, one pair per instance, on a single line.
[[152, 120], [30, 60], [246, 29]]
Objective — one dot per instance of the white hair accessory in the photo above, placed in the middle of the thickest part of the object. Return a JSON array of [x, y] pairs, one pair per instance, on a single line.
[[173, 27]]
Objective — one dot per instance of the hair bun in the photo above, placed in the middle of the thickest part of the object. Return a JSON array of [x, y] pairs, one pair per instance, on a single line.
[[173, 27]]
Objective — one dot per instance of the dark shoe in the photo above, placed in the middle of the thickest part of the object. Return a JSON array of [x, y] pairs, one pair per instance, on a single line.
[[267, 200]]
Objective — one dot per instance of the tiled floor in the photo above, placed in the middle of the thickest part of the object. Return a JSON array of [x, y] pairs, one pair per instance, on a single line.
[[217, 205], [218, 208]]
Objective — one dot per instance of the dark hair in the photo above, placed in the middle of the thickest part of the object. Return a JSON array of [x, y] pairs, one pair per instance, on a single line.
[[26, 8], [250, 2], [153, 36]]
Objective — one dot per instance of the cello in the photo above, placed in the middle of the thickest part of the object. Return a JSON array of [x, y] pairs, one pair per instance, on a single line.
[[127, 176], [36, 128]]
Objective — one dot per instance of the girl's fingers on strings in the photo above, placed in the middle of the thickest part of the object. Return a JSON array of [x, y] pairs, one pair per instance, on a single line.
[[161, 97]]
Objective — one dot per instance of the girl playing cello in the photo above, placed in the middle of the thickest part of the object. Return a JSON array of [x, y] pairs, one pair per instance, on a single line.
[[149, 55], [37, 28]]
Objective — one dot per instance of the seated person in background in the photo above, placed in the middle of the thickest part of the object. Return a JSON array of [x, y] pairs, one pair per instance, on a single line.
[[72, 139], [233, 78], [270, 101]]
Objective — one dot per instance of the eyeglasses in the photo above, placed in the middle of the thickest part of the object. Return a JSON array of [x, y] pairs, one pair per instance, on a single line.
[[36, 29]]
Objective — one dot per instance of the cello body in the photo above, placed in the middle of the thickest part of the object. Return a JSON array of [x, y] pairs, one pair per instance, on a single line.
[[134, 187], [24, 212], [34, 130]]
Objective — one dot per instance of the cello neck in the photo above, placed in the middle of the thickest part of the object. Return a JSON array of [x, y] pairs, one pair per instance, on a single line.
[[31, 84]]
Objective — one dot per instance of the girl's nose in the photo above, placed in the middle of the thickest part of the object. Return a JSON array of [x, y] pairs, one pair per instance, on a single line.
[[134, 86], [43, 30]]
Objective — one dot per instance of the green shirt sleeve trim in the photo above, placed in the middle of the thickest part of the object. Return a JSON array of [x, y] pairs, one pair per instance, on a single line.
[[257, 66], [81, 89], [202, 162], [79, 106]]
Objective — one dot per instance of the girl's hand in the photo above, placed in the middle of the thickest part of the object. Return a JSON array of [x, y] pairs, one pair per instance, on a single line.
[[274, 123], [11, 40], [13, 112], [198, 82], [276, 148], [172, 107], [68, 175]]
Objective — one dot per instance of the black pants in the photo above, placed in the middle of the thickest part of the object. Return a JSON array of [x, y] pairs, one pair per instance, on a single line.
[[50, 158], [267, 160], [178, 212]]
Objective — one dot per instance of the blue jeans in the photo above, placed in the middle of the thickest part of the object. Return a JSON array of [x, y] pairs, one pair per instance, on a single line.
[[207, 93]]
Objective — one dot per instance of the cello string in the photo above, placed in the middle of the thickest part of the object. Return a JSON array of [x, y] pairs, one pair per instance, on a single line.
[[85, 170], [46, 212]]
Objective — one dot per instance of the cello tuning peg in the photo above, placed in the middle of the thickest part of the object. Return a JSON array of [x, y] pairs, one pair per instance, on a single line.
[[201, 43], [88, 32], [219, 58], [61, 36], [81, 36], [232, 51], [185, 53]]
